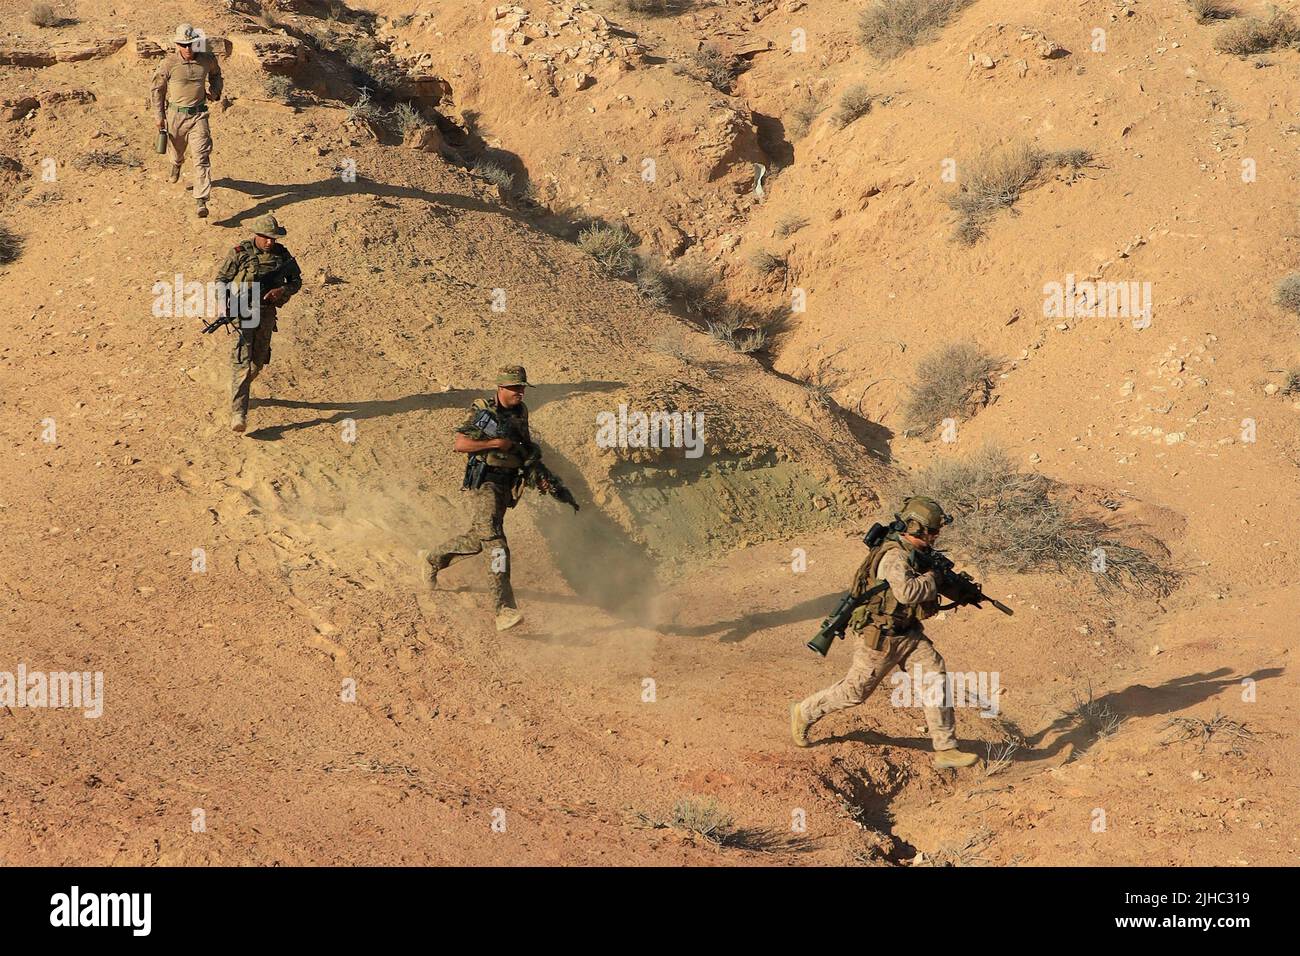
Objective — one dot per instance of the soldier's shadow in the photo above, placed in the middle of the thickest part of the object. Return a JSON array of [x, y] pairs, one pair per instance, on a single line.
[[274, 197], [738, 629], [538, 395]]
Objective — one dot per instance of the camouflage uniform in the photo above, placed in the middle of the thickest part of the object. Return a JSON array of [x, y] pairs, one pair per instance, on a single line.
[[270, 268], [488, 502], [183, 86], [889, 635]]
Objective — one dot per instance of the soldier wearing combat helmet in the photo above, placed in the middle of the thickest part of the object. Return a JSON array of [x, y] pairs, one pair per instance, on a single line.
[[889, 630]]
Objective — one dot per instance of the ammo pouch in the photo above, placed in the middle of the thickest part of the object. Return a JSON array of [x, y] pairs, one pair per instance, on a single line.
[[478, 471]]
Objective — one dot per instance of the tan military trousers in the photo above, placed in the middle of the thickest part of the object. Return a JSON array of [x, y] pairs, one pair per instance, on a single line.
[[487, 504], [870, 667], [251, 351], [190, 130]]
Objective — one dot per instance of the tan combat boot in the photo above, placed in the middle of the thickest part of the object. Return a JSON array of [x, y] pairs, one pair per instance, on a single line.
[[202, 210], [953, 759], [428, 573], [237, 423], [175, 175], [508, 617], [798, 725]]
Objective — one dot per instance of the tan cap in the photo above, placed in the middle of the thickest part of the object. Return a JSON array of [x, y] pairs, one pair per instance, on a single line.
[[512, 375], [186, 34], [267, 226]]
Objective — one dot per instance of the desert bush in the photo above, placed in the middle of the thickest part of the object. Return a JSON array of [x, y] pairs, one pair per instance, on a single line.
[[365, 110], [766, 263], [1010, 520], [653, 285], [696, 289], [949, 381], [496, 174], [1292, 384], [43, 15], [888, 28], [1287, 294], [704, 817], [802, 116], [1203, 731], [996, 180], [279, 88], [1096, 716], [742, 329], [715, 68], [854, 103], [789, 225], [46, 198], [105, 159], [405, 118], [404, 20], [1208, 10], [11, 244], [611, 247], [1256, 35]]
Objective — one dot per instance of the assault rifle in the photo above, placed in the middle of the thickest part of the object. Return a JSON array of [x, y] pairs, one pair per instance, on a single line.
[[957, 586]]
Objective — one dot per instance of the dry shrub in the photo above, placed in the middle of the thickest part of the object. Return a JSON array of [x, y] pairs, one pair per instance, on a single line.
[[1206, 11], [1009, 520], [654, 285], [697, 290], [405, 118], [949, 382], [11, 245], [766, 263], [279, 88], [1292, 384], [1258, 35], [802, 116], [105, 159], [611, 247], [855, 103], [789, 225], [716, 68], [996, 180], [890, 27], [657, 8], [1287, 294]]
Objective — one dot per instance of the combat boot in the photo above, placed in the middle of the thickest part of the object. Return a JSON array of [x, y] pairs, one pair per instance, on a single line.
[[175, 175], [508, 617], [237, 423], [953, 759], [428, 573], [202, 210], [798, 725]]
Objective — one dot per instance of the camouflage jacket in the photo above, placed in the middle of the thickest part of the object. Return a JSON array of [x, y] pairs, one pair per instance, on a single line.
[[486, 421], [274, 268]]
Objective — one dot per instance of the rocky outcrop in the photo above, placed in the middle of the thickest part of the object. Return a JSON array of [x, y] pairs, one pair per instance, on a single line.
[[33, 53], [272, 52]]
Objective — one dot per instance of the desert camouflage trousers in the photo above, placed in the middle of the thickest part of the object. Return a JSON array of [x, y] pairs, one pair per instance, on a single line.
[[191, 131], [870, 667], [251, 351], [487, 504]]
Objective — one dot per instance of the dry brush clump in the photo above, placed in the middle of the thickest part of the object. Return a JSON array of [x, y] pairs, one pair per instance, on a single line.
[[1259, 34], [657, 8], [950, 383], [766, 263], [802, 116], [105, 159], [996, 180], [405, 118], [790, 224], [1009, 520], [1287, 293], [1096, 716], [855, 103], [716, 68], [11, 245], [611, 246], [1207, 11], [279, 88], [889, 28], [1203, 731]]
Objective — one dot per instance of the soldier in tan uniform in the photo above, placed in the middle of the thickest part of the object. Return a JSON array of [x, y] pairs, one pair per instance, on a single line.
[[270, 274], [889, 632], [182, 89], [498, 441]]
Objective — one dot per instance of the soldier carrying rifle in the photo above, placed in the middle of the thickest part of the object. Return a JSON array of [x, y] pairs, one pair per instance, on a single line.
[[896, 588], [502, 462]]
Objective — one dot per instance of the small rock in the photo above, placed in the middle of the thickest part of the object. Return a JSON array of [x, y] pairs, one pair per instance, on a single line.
[[1156, 650]]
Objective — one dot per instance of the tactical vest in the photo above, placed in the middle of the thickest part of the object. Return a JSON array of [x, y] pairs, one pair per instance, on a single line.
[[884, 613], [501, 428]]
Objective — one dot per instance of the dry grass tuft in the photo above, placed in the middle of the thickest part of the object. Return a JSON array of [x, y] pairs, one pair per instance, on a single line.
[[854, 104], [889, 28], [1256, 35], [950, 383], [1287, 293]]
